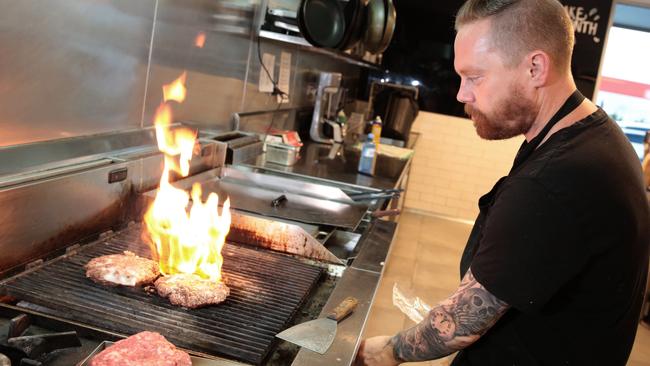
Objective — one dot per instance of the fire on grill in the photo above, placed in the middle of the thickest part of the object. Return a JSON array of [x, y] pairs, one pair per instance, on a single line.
[[186, 243]]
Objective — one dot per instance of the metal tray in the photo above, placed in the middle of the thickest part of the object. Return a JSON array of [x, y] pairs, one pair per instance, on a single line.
[[282, 154]]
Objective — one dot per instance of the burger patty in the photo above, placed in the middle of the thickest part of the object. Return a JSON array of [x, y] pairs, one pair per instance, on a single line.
[[142, 349], [191, 291], [122, 269]]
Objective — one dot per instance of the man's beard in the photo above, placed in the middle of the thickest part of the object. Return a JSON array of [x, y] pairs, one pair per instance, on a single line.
[[510, 118]]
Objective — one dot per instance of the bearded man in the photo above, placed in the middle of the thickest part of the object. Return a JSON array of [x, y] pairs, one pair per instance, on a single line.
[[555, 268]]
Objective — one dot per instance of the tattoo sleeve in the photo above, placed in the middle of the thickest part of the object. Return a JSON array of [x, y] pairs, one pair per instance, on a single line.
[[453, 324]]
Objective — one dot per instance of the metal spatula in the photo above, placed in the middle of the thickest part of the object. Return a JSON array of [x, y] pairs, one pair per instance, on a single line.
[[317, 335]]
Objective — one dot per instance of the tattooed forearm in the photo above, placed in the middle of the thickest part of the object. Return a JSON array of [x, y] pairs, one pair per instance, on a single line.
[[454, 324]]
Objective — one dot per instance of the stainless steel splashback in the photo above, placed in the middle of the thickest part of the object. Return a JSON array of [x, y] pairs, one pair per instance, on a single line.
[[216, 72], [306, 67], [223, 76], [84, 190], [29, 158], [72, 67], [80, 67]]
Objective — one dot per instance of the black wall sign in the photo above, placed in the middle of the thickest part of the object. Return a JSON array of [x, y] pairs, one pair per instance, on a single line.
[[590, 20]]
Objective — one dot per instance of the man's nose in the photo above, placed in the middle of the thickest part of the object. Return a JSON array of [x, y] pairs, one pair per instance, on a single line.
[[464, 95]]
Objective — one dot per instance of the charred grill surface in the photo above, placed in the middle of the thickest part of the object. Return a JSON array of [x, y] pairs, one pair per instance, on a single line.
[[266, 290]]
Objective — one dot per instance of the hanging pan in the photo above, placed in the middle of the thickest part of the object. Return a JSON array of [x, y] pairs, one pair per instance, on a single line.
[[391, 16], [355, 18], [376, 21], [322, 22]]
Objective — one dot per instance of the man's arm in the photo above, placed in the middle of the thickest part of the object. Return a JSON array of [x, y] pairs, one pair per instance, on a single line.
[[453, 324]]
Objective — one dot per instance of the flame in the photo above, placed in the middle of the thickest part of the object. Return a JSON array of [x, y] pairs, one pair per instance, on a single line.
[[176, 89], [178, 142], [199, 41], [186, 236]]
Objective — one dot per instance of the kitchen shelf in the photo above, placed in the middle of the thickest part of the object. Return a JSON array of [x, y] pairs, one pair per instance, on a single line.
[[299, 41]]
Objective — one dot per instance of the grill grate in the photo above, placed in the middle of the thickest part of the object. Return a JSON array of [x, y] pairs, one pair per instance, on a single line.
[[266, 289]]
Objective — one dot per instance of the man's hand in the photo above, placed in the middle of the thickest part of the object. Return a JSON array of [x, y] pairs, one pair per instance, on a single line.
[[376, 351]]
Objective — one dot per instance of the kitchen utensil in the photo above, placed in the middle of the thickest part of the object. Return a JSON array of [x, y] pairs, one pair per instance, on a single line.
[[386, 213], [376, 21], [369, 196], [400, 115], [398, 107], [282, 154], [317, 335], [355, 19], [286, 26], [303, 29], [240, 147], [322, 22], [278, 201], [327, 95], [283, 13], [389, 27], [376, 197], [338, 133], [283, 19], [305, 202], [356, 194]]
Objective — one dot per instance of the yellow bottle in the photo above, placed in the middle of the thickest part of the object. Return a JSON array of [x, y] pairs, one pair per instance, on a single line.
[[376, 130]]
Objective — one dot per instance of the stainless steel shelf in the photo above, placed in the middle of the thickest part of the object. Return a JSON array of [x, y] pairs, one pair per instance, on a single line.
[[323, 51]]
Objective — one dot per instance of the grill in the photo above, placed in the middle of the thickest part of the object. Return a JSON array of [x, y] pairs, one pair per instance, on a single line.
[[267, 289]]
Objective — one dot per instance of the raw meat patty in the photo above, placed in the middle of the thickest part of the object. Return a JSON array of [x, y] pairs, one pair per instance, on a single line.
[[142, 349], [122, 269], [191, 291]]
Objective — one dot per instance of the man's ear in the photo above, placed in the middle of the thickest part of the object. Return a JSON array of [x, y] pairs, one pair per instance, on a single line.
[[538, 65]]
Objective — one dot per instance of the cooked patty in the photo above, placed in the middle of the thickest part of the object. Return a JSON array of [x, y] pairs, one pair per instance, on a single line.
[[142, 349], [122, 269], [191, 291]]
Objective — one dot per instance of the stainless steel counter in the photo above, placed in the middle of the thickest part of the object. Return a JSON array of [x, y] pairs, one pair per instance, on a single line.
[[314, 163], [361, 280]]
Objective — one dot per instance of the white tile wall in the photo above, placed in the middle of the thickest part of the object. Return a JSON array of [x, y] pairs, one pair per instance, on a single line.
[[453, 167]]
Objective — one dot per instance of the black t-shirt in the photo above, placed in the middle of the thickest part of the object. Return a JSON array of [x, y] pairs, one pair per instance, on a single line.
[[565, 243]]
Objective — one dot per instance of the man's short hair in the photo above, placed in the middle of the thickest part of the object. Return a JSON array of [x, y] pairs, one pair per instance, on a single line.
[[522, 26]]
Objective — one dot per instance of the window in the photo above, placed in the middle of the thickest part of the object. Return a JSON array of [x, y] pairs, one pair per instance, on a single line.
[[624, 89]]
